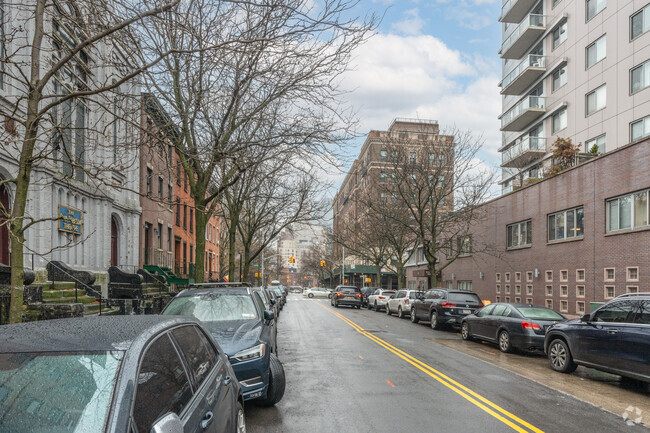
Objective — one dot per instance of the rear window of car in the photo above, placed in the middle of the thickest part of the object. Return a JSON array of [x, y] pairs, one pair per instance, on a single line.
[[388, 292], [464, 297], [540, 314], [348, 290]]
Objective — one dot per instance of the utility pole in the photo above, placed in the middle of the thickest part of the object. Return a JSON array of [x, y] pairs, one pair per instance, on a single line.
[[343, 268]]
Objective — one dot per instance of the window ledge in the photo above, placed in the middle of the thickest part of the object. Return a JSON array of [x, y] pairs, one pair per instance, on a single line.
[[563, 241], [626, 231], [522, 247]]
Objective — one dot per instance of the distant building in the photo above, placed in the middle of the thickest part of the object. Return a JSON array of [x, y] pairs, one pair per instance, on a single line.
[[571, 69], [184, 237]]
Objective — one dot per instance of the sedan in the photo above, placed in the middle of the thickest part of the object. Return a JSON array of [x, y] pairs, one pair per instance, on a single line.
[[317, 292], [510, 325], [116, 374]]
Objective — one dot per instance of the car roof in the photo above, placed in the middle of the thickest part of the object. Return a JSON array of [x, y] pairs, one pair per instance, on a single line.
[[197, 291], [96, 333]]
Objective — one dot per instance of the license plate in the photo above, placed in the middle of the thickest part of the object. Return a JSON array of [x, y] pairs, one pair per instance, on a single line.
[[467, 311], [349, 297]]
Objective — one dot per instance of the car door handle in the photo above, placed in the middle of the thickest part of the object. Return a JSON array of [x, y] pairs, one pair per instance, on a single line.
[[612, 331], [227, 380], [207, 420]]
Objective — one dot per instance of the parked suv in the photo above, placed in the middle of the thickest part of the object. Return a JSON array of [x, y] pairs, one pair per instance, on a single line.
[[346, 295], [444, 307], [379, 299], [401, 303], [614, 338]]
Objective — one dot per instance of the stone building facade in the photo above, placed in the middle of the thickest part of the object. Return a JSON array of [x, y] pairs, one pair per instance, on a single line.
[[579, 237]]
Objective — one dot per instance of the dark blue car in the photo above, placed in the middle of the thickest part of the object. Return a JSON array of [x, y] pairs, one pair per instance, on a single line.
[[237, 319], [614, 338]]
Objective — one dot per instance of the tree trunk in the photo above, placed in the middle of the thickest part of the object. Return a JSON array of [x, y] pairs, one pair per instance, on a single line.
[[232, 248], [200, 221], [401, 275], [246, 263], [434, 278]]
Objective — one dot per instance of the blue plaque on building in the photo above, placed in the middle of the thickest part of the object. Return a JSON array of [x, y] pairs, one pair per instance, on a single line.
[[70, 220]]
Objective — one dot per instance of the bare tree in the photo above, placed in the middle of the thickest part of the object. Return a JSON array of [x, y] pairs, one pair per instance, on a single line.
[[319, 260], [248, 75]]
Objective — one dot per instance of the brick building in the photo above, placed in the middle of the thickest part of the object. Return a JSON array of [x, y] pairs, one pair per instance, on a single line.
[[212, 245], [184, 237], [579, 237]]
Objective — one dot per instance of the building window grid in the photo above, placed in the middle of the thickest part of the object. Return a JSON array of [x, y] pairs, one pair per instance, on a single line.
[[632, 273], [580, 291], [630, 211], [610, 274], [566, 224], [610, 292]]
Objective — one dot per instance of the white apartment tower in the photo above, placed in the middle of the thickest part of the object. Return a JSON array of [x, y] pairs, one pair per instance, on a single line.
[[576, 69]]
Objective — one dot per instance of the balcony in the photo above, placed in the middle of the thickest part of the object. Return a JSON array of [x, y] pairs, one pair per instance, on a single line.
[[523, 37], [523, 114], [513, 11], [524, 75], [523, 152]]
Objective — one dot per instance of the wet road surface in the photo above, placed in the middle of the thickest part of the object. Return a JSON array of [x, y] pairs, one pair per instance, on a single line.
[[362, 371]]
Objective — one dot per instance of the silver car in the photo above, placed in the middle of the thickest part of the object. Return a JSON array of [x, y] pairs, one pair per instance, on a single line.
[[401, 303], [317, 292], [378, 300]]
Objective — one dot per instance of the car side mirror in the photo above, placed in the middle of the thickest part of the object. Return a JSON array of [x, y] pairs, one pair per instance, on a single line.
[[169, 423], [586, 318], [269, 315]]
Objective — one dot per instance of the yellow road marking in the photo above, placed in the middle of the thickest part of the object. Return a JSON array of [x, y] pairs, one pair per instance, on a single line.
[[475, 398]]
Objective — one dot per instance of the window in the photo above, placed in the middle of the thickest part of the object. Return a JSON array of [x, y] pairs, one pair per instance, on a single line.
[[184, 216], [161, 194], [559, 35], [169, 239], [412, 157], [632, 289], [178, 211], [610, 292], [393, 178], [628, 211], [529, 289], [518, 289], [596, 51], [559, 78], [393, 198], [498, 277], [517, 299], [549, 290], [498, 288], [549, 303], [383, 156], [529, 276], [640, 129], [594, 7], [185, 183], [149, 176], [413, 177], [529, 301], [549, 276], [178, 174], [599, 142], [580, 307], [170, 193], [191, 220], [632, 274], [464, 245], [159, 236], [507, 289], [394, 155], [580, 274], [197, 351], [610, 274], [403, 135], [465, 285], [507, 299], [559, 120], [564, 306], [640, 22], [382, 197], [568, 224], [580, 291], [519, 234], [564, 291], [518, 277], [162, 384], [564, 275], [383, 177], [596, 100], [507, 277], [432, 159], [640, 77], [441, 159], [616, 312], [556, 2]]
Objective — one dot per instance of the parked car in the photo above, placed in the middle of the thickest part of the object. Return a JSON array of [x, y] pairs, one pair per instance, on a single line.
[[116, 374], [614, 338], [378, 300], [442, 307], [510, 325], [365, 294], [401, 302], [243, 328], [317, 292], [282, 297], [346, 295]]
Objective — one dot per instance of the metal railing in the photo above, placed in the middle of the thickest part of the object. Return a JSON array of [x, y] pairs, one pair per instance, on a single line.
[[532, 60], [158, 257], [524, 145], [525, 104], [532, 20]]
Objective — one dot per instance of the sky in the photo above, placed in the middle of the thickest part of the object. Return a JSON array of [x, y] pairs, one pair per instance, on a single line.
[[429, 59]]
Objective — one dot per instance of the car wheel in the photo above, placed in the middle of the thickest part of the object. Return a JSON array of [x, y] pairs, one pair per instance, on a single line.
[[400, 313], [241, 420], [375, 306], [329, 296], [560, 357], [311, 295], [276, 383], [414, 318], [434, 321], [387, 307], [504, 342], [464, 331], [336, 304]]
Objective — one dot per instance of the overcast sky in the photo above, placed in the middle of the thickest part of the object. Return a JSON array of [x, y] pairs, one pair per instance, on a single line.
[[430, 59]]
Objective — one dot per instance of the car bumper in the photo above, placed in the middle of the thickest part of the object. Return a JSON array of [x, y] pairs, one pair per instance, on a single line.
[[532, 343], [253, 376], [351, 302], [452, 319]]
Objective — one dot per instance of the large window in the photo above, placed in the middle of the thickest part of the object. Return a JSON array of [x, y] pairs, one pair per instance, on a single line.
[[596, 51], [600, 142], [383, 156], [568, 224], [640, 22], [519, 234], [559, 120], [464, 245], [640, 77], [596, 100], [465, 286], [640, 129], [559, 35], [559, 78], [628, 212], [594, 7]]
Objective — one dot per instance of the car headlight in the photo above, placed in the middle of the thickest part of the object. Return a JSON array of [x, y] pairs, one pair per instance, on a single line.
[[250, 353]]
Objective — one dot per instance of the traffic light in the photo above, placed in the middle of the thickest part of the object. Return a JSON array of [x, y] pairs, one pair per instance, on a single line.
[[322, 263], [257, 275], [292, 259]]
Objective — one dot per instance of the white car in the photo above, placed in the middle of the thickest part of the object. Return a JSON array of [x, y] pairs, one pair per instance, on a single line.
[[379, 299], [317, 292], [401, 303]]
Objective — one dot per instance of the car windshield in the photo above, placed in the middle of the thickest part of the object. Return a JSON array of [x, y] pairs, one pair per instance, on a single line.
[[348, 290], [214, 307], [464, 297], [56, 392], [540, 314]]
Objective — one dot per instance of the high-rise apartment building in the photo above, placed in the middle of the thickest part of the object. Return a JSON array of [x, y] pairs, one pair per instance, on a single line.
[[576, 69]]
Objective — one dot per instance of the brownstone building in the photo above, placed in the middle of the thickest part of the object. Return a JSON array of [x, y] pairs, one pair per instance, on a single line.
[[156, 185], [582, 236]]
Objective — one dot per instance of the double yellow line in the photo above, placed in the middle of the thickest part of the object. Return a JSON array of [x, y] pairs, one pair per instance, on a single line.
[[496, 411]]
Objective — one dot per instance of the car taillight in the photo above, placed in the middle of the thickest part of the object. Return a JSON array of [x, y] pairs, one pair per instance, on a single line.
[[359, 295], [382, 297], [531, 325], [448, 305], [339, 294]]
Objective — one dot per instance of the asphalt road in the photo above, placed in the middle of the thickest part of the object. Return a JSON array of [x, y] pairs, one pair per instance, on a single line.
[[361, 371]]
